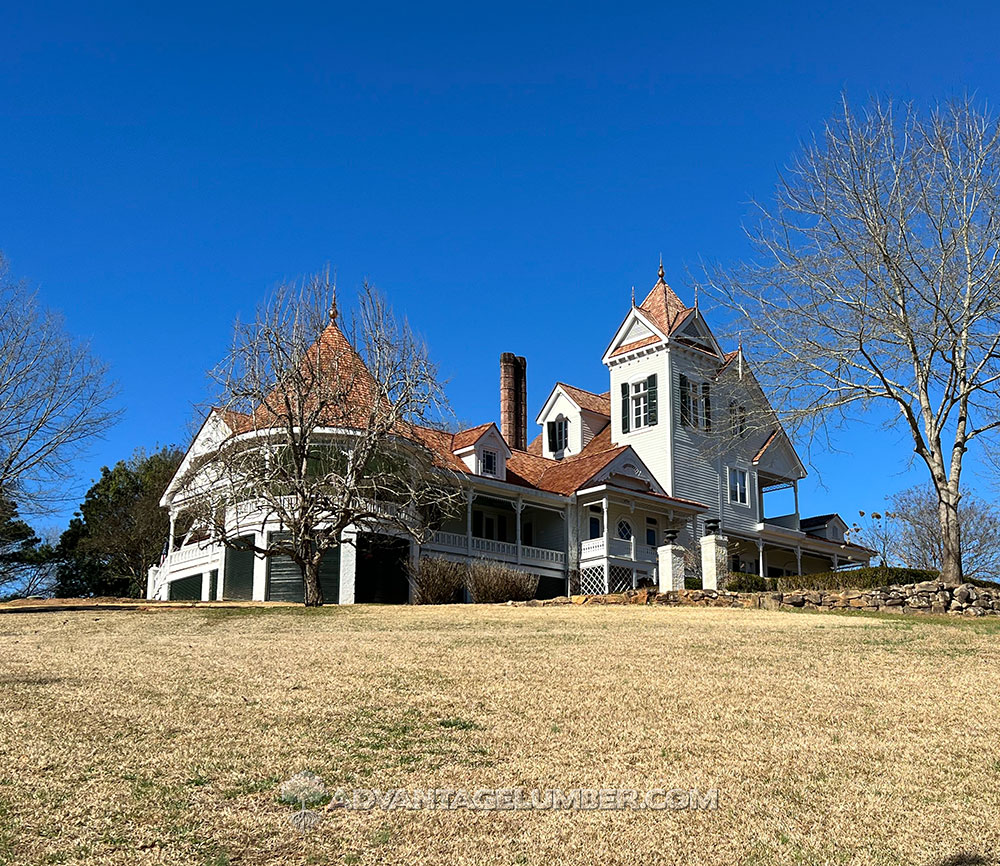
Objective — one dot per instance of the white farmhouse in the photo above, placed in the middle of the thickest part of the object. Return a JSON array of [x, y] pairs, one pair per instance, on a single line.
[[664, 456]]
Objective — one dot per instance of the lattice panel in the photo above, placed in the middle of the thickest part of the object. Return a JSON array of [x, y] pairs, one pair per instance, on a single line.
[[592, 580], [621, 578]]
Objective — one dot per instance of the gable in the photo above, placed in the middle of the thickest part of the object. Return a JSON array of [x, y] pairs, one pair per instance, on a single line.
[[628, 471], [777, 457], [637, 330], [214, 429], [636, 322], [694, 331]]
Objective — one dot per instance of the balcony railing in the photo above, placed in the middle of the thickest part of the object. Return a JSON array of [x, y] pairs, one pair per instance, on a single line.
[[503, 550]]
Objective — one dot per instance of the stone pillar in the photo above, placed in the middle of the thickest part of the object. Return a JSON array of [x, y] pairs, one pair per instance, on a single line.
[[670, 565], [714, 560]]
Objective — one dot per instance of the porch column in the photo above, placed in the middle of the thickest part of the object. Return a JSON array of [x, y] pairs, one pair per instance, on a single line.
[[260, 569], [607, 545], [348, 565], [761, 567], [173, 529], [836, 562], [206, 586], [518, 508], [468, 521], [795, 488], [798, 559]]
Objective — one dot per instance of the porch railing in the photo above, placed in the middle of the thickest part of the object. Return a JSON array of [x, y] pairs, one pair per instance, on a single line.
[[503, 550], [619, 548]]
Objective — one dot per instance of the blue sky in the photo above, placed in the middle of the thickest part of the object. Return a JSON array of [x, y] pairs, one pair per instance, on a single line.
[[505, 173]]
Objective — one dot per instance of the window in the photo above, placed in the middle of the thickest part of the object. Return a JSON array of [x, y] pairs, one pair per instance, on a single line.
[[739, 491], [737, 420], [639, 404], [558, 434], [624, 530], [490, 526], [528, 534], [651, 533], [595, 527], [489, 462], [696, 404]]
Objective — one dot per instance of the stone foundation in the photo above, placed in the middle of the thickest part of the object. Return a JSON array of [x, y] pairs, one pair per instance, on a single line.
[[927, 597]]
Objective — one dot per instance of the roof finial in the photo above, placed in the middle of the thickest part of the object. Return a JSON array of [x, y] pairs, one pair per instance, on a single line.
[[333, 308], [696, 297], [633, 296], [660, 272]]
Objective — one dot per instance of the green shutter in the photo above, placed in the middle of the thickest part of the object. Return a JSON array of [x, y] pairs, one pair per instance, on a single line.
[[625, 427], [238, 582], [552, 435], [185, 589], [284, 577], [651, 397], [329, 576]]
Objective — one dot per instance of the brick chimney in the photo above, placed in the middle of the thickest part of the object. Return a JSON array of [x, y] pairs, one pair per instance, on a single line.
[[514, 400]]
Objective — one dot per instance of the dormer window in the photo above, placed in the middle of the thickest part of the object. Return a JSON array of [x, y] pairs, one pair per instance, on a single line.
[[558, 434], [489, 462]]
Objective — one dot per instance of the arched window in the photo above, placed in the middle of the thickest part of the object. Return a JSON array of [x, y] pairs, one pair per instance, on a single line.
[[558, 434], [624, 529]]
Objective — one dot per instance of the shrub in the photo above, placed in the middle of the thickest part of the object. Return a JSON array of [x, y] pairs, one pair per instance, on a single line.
[[740, 582], [692, 581], [437, 581], [491, 582], [303, 789], [856, 578]]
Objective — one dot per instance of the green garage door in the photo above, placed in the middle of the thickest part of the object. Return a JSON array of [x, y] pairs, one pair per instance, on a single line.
[[185, 589], [284, 578], [238, 582]]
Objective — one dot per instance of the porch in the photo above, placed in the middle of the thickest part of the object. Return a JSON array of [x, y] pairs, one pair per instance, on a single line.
[[519, 531], [621, 531]]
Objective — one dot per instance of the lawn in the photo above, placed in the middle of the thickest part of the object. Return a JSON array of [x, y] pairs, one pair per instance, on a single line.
[[164, 736]]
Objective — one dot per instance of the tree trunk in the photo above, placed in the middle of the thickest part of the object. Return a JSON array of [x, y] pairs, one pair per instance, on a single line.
[[312, 590], [951, 539]]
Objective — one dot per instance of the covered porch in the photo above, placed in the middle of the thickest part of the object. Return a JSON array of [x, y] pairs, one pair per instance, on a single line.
[[781, 552], [620, 531], [518, 530]]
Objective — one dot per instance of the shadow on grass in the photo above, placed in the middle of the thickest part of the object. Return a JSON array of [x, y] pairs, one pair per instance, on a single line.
[[964, 858], [984, 625]]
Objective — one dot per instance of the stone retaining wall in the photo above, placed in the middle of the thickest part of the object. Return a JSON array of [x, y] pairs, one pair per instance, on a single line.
[[927, 597]]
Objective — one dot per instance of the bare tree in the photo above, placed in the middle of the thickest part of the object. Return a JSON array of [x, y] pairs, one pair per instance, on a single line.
[[330, 430], [55, 398], [879, 531], [914, 537], [876, 285]]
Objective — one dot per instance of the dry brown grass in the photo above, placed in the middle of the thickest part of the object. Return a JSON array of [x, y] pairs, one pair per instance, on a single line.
[[162, 737]]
